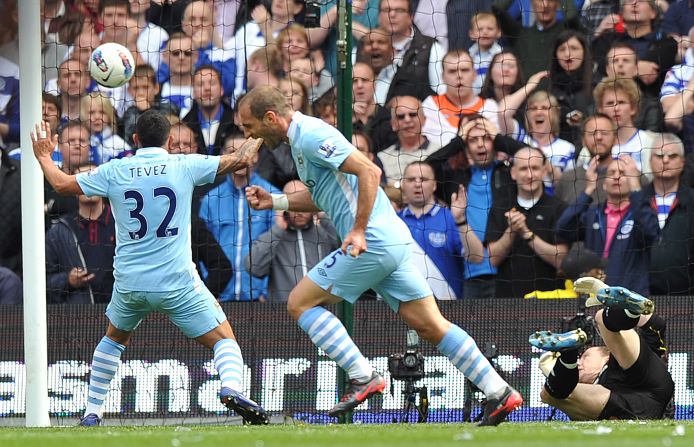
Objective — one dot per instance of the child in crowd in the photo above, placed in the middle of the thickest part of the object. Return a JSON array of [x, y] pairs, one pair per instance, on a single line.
[[99, 115], [325, 107], [485, 32], [296, 93], [144, 90]]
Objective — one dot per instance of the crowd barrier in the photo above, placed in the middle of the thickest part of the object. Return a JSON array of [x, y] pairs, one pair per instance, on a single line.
[[164, 375]]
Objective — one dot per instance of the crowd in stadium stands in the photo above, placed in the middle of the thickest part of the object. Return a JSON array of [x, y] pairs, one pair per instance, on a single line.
[[565, 124]]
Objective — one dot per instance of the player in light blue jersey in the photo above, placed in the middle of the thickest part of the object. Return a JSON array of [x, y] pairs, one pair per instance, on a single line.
[[375, 253], [150, 195]]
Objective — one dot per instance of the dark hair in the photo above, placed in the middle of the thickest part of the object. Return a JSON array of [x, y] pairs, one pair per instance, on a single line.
[[487, 91], [410, 9], [324, 102], [586, 68], [52, 99], [103, 4], [625, 45], [208, 67], [145, 71], [366, 137], [71, 124], [152, 129]]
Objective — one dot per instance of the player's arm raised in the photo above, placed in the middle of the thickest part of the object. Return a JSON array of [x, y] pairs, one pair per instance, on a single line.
[[240, 158], [44, 144], [260, 199], [369, 176]]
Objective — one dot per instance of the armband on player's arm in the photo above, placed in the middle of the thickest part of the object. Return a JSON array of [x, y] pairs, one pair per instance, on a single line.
[[280, 202]]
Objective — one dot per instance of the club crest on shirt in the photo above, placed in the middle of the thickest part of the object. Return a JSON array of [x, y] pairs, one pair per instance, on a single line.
[[437, 239], [327, 149], [626, 229]]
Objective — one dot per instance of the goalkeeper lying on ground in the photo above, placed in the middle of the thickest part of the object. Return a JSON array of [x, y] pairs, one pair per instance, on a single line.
[[626, 378]]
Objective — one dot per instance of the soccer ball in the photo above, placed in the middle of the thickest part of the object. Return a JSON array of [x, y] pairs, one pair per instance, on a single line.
[[111, 65]]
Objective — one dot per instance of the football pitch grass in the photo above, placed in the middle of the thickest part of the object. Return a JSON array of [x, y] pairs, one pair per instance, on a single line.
[[551, 434]]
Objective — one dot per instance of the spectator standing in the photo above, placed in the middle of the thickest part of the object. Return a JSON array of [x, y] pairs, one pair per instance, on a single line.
[[678, 20], [672, 257], [73, 82], [225, 212], [365, 17], [488, 184], [264, 68], [285, 255], [619, 99], [10, 213], [543, 125], [151, 38], [74, 150], [144, 90], [571, 82], [407, 120], [599, 135], [622, 230], [443, 112], [656, 52], [211, 118], [181, 59], [262, 31], [522, 241], [198, 24], [440, 232], [376, 50], [100, 117], [367, 115], [9, 104], [79, 253], [417, 56], [485, 33], [622, 62], [533, 44]]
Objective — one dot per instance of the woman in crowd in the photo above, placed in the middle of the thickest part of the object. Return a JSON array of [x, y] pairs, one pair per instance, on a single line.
[[296, 93], [506, 85], [542, 123], [571, 77]]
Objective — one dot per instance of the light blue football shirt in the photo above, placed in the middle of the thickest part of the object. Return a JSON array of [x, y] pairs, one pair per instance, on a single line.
[[150, 195], [318, 150]]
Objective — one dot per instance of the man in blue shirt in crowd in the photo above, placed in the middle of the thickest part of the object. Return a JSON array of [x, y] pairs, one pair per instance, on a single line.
[[226, 214], [440, 232], [151, 198], [375, 253]]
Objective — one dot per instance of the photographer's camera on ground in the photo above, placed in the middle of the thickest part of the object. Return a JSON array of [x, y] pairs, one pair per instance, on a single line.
[[408, 367]]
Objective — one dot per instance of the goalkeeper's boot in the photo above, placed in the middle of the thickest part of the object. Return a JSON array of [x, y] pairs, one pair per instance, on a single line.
[[90, 420], [496, 410], [251, 412], [549, 341], [358, 393], [619, 297]]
